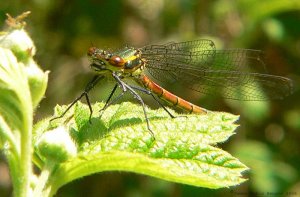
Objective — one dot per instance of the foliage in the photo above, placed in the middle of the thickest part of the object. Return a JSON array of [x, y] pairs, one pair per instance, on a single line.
[[22, 86], [182, 149], [269, 130]]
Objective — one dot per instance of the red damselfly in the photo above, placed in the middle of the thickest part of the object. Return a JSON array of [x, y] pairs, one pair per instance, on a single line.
[[197, 65]]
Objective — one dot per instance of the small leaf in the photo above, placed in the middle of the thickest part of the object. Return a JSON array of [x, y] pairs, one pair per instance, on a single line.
[[13, 89], [23, 49], [56, 145], [19, 42], [183, 150], [37, 81]]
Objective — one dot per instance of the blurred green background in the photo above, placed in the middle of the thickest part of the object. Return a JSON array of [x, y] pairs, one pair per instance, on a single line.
[[269, 136]]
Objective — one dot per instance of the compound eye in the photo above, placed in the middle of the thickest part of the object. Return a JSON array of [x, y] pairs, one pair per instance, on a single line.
[[116, 61], [91, 51]]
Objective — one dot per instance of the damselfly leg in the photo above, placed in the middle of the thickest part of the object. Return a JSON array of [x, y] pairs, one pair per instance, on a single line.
[[89, 86]]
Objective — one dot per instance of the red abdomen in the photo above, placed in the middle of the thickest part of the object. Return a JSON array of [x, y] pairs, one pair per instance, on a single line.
[[169, 97]]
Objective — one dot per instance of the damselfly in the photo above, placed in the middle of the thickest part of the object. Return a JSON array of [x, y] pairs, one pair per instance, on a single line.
[[194, 64]]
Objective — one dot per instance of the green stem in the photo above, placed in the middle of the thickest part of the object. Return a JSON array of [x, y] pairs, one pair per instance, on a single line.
[[43, 178], [23, 188], [7, 134], [12, 151], [13, 163]]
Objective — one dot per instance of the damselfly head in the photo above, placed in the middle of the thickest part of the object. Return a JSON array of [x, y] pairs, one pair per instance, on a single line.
[[99, 58], [102, 60]]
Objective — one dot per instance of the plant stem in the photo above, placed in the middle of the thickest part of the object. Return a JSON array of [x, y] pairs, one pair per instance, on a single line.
[[43, 178], [23, 189]]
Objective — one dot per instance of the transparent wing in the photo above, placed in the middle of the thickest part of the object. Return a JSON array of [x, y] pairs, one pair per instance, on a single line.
[[199, 66]]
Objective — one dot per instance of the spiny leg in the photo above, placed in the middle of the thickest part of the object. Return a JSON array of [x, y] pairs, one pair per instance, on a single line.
[[158, 101], [108, 102], [126, 87], [139, 98], [88, 87]]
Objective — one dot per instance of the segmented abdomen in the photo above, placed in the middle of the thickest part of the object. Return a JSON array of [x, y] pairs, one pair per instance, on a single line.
[[169, 97]]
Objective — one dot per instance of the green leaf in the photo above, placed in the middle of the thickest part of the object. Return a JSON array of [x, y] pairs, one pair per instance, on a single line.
[[183, 150], [13, 87], [24, 69], [22, 86]]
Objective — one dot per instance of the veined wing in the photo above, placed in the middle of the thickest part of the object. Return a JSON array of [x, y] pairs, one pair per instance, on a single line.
[[199, 66]]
